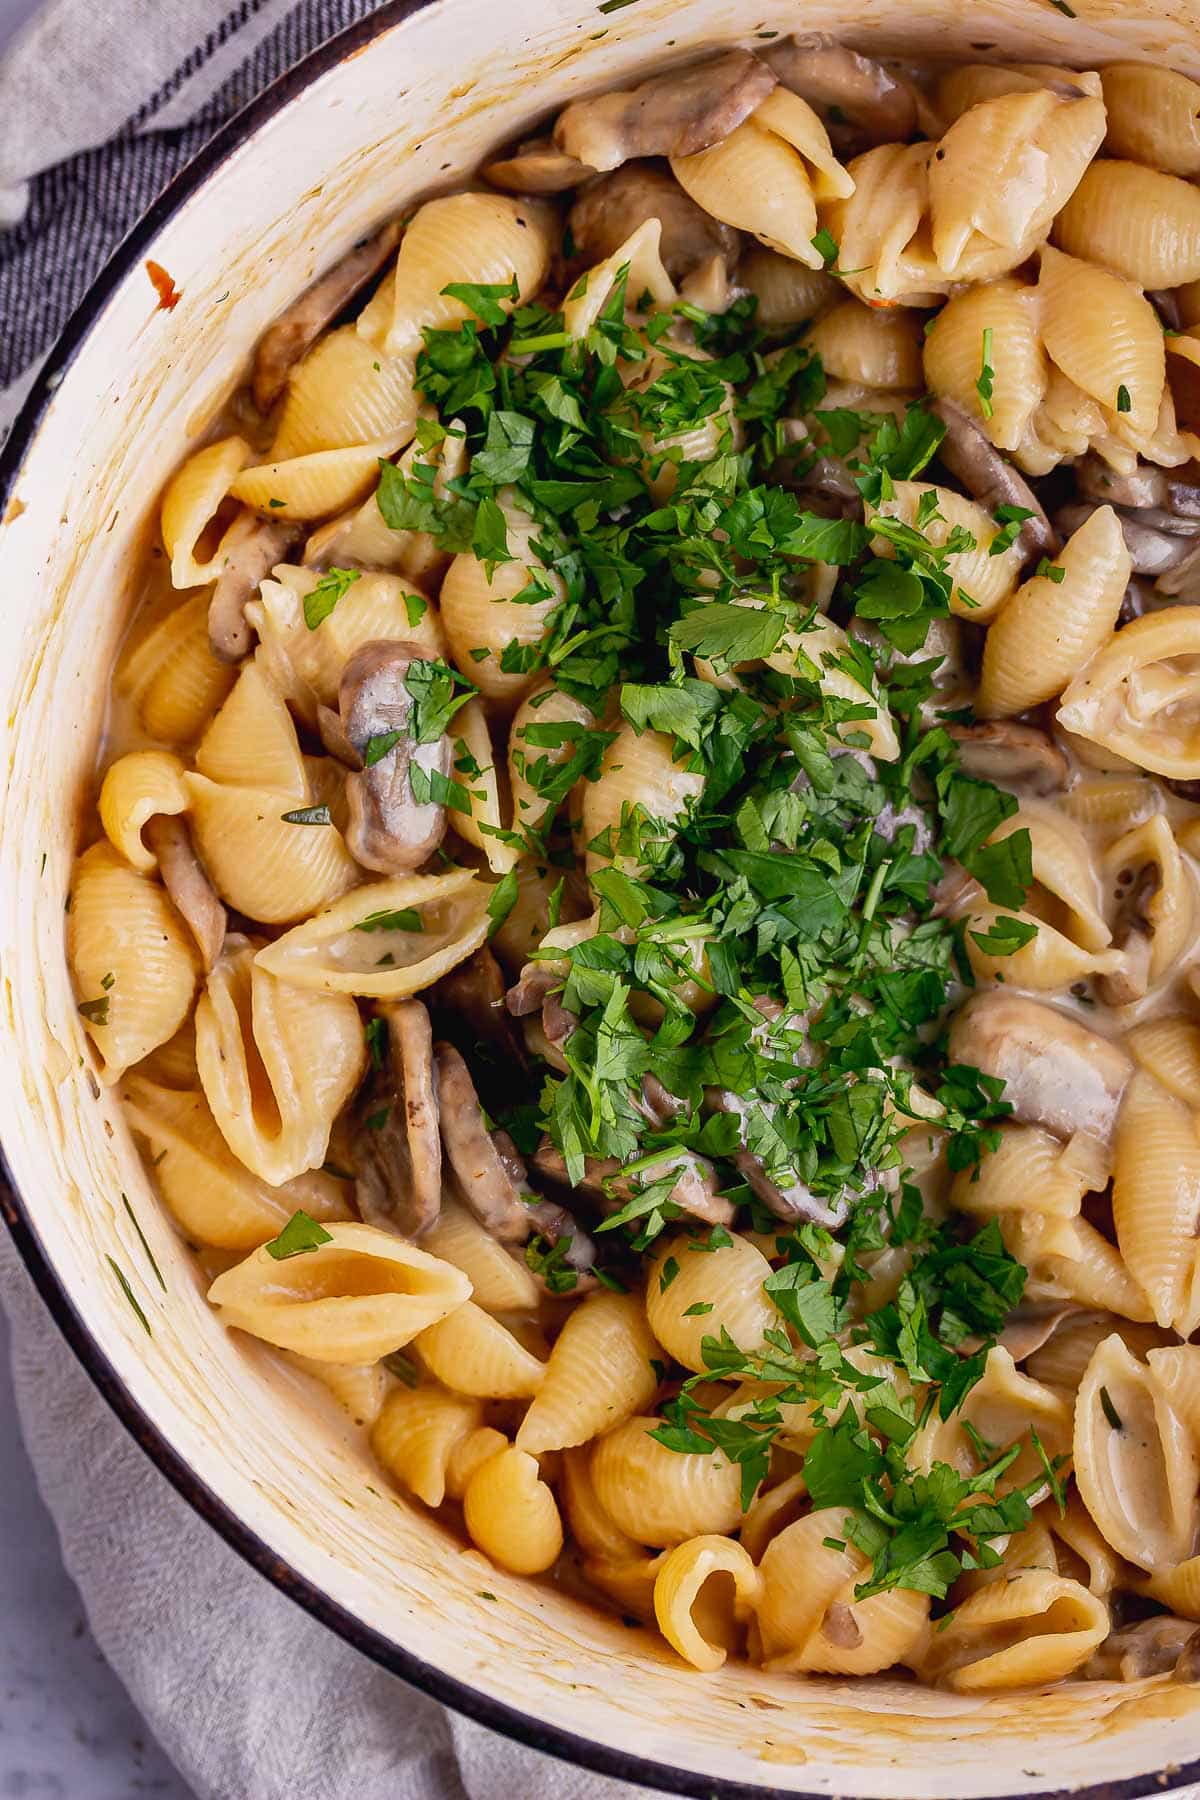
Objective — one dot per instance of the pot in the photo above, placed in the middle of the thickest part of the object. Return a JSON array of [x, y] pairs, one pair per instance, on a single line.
[[400, 106]]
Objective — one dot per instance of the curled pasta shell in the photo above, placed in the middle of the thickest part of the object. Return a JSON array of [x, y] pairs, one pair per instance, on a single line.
[[878, 349], [1156, 1194], [215, 1198], [556, 713], [641, 254], [473, 1353], [772, 1512], [273, 1099], [1138, 696], [1136, 221], [484, 614], [879, 229], [1062, 1361], [826, 647], [190, 504], [639, 785], [171, 678], [963, 87], [679, 1596], [591, 1527], [982, 582], [808, 1615], [483, 238], [1068, 1259], [355, 1299], [658, 1496], [317, 484], [132, 959], [252, 741], [1029, 1169], [1169, 910], [417, 1434], [1049, 629], [729, 1280], [1153, 117], [265, 864], [499, 1281], [469, 1454], [366, 943], [1169, 1049], [1105, 337], [1033, 1628], [600, 1374], [1004, 1407], [511, 1515], [344, 392], [788, 293], [363, 540], [358, 1387], [1135, 1460], [954, 357], [136, 788]]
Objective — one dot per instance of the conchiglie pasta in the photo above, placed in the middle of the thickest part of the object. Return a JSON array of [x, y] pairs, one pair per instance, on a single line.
[[135, 789], [658, 1496], [1004, 1407], [639, 786], [679, 1596], [500, 1282], [511, 1514], [215, 1198], [417, 1434], [363, 539], [729, 1280], [469, 1454], [473, 1353], [824, 647], [132, 960], [171, 679], [1136, 221], [262, 859], [552, 714], [788, 293], [1049, 629], [367, 944], [600, 1373], [878, 229], [344, 392], [1153, 117], [1148, 856], [273, 1099], [1068, 1259], [954, 357], [982, 582], [1169, 1049], [314, 485], [878, 349], [808, 1614], [1138, 698], [482, 613], [1035, 1627], [640, 255], [360, 1388], [356, 1298], [252, 741], [191, 503], [964, 87], [1029, 1170], [592, 1529], [474, 766], [1156, 1195], [1105, 337]]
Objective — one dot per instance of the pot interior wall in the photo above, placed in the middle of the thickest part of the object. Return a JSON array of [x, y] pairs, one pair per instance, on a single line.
[[411, 112]]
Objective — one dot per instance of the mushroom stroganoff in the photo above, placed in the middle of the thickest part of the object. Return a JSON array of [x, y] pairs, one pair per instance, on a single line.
[[642, 900]]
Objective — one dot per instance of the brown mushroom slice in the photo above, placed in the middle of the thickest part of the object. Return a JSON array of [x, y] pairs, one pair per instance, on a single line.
[[536, 168], [1158, 1646], [694, 1192], [528, 993], [473, 994], [1143, 485], [389, 829], [297, 329], [1031, 1326], [613, 206], [1056, 1072], [1157, 541], [1011, 756], [186, 881], [857, 97], [1133, 933], [675, 114], [988, 477], [250, 549], [398, 1144]]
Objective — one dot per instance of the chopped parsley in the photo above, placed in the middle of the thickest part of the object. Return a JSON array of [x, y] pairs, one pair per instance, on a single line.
[[984, 386], [300, 1235], [320, 601]]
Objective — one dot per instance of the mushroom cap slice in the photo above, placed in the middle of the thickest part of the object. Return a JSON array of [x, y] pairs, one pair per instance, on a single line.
[[1056, 1072], [988, 477], [536, 167], [249, 551], [306, 318], [614, 205], [389, 829], [492, 1184], [675, 114], [400, 1154], [185, 879], [1010, 755], [877, 106]]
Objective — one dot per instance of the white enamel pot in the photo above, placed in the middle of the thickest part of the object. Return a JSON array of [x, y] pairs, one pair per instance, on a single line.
[[401, 105]]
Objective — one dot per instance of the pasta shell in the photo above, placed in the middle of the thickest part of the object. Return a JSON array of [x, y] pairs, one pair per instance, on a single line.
[[1112, 800], [679, 1595], [1153, 117], [788, 293], [273, 1100], [214, 1197], [1029, 1169], [1075, 1532], [1004, 1407], [641, 255], [967, 85], [252, 741], [190, 504], [344, 392], [600, 1373], [771, 1512], [499, 1281], [1104, 336], [511, 1515], [171, 678], [825, 648], [1169, 1049], [592, 1529], [791, 118], [954, 357], [1050, 629], [359, 1387], [557, 714], [1034, 1628], [982, 582], [473, 1353], [640, 792], [417, 1434], [1170, 910], [1137, 1477], [1136, 221], [658, 1496], [879, 349], [355, 1299], [469, 1454], [1137, 698], [317, 484], [1156, 1194], [755, 180], [132, 959], [1178, 1588], [729, 1280], [479, 238], [1068, 1259], [262, 863], [135, 788], [484, 614], [808, 1615], [883, 242], [353, 948], [362, 539]]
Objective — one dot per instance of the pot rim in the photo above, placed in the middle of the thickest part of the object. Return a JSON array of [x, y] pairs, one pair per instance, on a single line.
[[496, 1715]]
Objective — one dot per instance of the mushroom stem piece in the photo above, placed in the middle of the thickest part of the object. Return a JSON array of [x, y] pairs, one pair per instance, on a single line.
[[250, 549], [390, 829], [398, 1145], [185, 880]]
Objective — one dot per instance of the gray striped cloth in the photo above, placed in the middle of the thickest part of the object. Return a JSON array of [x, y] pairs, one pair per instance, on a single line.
[[101, 103]]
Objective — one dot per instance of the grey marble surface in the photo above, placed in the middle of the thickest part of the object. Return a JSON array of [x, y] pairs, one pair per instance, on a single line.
[[67, 1728]]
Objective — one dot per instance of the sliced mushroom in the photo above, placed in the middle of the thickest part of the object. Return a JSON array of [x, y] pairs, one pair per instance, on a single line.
[[536, 168], [1144, 485], [616, 204], [1011, 756], [389, 830], [657, 1105], [674, 114], [1031, 1326], [1133, 933], [695, 1190], [251, 547], [861, 102], [840, 1627], [1056, 1072], [1151, 1647], [297, 329], [398, 1145], [187, 883], [473, 994], [988, 477], [1157, 540], [795, 1201], [528, 993]]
